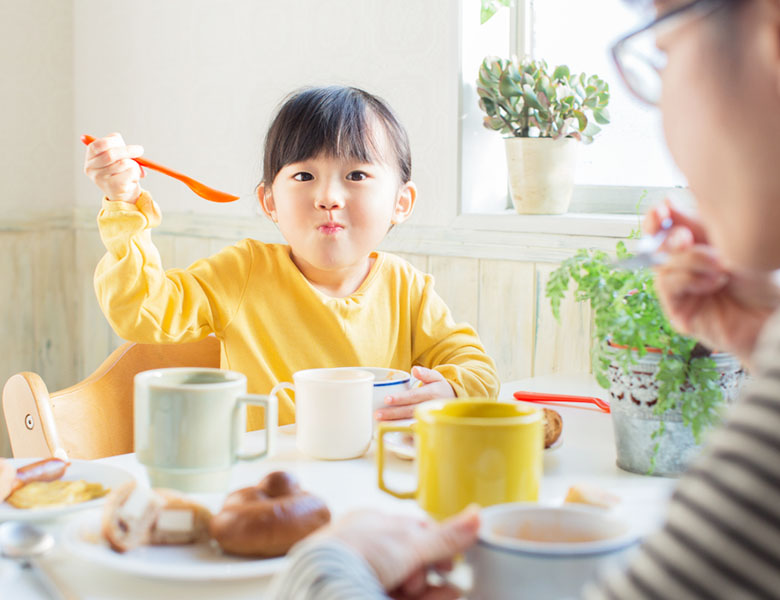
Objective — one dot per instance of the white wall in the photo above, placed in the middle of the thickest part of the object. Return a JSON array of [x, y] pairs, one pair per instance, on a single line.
[[36, 107], [195, 82]]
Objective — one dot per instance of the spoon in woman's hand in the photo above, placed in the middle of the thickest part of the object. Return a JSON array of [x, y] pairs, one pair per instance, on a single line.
[[23, 542], [647, 254], [200, 189]]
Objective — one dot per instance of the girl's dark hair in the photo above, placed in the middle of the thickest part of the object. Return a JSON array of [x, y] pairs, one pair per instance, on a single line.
[[334, 120]]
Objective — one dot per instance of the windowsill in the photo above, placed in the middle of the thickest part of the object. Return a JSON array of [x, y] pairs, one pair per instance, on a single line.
[[571, 223], [601, 211], [496, 236]]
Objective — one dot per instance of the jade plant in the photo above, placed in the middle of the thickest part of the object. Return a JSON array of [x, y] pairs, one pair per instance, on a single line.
[[524, 98], [628, 321]]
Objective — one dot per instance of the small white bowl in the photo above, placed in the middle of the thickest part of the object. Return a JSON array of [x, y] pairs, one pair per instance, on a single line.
[[387, 382], [544, 552]]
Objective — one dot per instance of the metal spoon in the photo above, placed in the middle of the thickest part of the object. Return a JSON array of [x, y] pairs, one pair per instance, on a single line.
[[647, 254], [23, 542]]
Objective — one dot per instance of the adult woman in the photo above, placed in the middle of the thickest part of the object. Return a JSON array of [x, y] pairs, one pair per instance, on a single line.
[[720, 97]]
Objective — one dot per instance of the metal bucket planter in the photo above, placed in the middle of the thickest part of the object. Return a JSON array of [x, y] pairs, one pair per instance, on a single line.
[[633, 396]]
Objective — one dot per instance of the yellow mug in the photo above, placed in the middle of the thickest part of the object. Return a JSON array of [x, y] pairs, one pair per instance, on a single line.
[[471, 451]]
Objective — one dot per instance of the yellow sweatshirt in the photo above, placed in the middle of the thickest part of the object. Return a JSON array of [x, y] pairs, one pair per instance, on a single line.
[[270, 320]]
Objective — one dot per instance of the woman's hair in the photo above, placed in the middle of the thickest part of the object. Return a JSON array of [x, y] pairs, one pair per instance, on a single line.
[[336, 121]]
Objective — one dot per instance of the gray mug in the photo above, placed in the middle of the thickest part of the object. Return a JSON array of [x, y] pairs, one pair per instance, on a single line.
[[189, 422]]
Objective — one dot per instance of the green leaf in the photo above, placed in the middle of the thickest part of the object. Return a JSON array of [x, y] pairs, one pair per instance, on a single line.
[[489, 8], [561, 72], [484, 93], [544, 101], [487, 11], [601, 116], [508, 88], [582, 120], [493, 123], [530, 98], [591, 130], [487, 106]]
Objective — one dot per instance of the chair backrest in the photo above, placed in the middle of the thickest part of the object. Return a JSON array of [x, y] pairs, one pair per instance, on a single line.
[[93, 418]]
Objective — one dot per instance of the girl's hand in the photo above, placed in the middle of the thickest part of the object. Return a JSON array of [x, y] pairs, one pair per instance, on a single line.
[[401, 406], [724, 309], [401, 549], [109, 164]]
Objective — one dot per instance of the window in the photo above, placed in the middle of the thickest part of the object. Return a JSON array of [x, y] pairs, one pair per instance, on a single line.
[[626, 158]]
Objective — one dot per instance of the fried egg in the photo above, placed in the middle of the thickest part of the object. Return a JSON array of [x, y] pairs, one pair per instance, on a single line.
[[39, 494]]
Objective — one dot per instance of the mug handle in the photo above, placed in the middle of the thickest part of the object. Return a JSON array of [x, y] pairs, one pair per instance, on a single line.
[[380, 458], [270, 404]]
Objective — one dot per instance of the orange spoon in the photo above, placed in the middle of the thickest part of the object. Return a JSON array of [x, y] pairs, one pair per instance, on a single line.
[[201, 190]]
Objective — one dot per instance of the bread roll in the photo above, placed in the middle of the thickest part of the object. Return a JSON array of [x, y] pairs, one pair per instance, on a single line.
[[592, 495], [553, 426], [128, 515], [135, 515], [180, 521], [268, 519]]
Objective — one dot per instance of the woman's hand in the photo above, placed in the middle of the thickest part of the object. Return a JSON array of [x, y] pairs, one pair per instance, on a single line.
[[109, 164], [401, 406], [724, 309], [402, 549]]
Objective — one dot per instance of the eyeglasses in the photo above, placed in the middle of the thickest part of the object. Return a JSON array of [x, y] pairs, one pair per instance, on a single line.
[[638, 58]]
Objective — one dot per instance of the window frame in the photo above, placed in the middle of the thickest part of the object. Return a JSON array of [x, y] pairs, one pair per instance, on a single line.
[[590, 202]]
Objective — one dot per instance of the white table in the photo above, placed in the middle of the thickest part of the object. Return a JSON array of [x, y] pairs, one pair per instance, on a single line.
[[587, 455]]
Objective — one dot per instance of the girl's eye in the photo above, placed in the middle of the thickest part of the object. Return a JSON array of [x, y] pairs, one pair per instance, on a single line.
[[303, 176], [357, 176]]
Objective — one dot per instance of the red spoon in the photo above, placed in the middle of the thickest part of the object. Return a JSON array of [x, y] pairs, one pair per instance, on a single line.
[[539, 397], [200, 189]]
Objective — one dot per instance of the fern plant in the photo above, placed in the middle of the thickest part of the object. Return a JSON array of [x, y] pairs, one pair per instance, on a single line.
[[628, 320]]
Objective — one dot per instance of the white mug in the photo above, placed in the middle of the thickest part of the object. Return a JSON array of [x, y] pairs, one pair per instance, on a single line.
[[333, 411], [545, 552]]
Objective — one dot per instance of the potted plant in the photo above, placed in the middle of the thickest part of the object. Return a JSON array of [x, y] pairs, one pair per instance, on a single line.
[[544, 114], [666, 389]]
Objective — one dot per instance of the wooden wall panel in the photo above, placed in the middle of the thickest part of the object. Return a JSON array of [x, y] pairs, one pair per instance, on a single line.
[[166, 245], [53, 325], [457, 282], [94, 332], [506, 316], [17, 326], [419, 261], [188, 249], [560, 347], [56, 348]]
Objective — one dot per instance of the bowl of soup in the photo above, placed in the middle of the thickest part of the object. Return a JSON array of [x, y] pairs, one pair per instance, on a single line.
[[540, 552]]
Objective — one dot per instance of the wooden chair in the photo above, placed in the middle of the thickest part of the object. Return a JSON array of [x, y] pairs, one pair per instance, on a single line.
[[93, 418]]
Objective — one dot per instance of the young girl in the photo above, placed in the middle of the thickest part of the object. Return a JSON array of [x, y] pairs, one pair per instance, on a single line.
[[336, 178]]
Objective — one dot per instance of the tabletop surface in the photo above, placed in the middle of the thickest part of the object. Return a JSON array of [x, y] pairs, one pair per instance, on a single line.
[[586, 455]]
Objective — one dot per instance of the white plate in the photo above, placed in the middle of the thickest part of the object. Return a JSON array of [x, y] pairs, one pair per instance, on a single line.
[[399, 443], [106, 475], [193, 562]]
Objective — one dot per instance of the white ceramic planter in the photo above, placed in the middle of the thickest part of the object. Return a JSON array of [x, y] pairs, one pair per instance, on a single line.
[[541, 173]]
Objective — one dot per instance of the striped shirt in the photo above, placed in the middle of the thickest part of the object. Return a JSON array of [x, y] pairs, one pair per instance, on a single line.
[[721, 539]]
